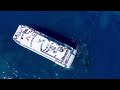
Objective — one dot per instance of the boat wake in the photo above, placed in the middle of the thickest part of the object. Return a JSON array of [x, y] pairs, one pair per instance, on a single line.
[[82, 55]]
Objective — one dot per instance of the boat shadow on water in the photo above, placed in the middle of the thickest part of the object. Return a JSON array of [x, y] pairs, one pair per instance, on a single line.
[[82, 52], [54, 35]]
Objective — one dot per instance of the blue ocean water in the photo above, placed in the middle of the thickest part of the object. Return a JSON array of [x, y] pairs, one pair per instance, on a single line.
[[100, 30]]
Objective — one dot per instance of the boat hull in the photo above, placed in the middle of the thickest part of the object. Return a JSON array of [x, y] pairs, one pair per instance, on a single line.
[[60, 53]]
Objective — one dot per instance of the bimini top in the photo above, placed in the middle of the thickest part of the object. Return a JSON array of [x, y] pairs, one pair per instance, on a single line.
[[60, 53]]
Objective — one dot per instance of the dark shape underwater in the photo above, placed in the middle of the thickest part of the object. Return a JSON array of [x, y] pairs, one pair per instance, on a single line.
[[54, 35]]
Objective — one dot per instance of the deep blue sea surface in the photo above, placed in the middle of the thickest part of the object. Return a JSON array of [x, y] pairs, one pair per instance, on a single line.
[[100, 30]]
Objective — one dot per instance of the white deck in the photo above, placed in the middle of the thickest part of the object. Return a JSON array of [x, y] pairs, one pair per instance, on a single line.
[[38, 43]]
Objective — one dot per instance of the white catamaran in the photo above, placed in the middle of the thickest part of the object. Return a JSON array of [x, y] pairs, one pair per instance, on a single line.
[[56, 51]]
